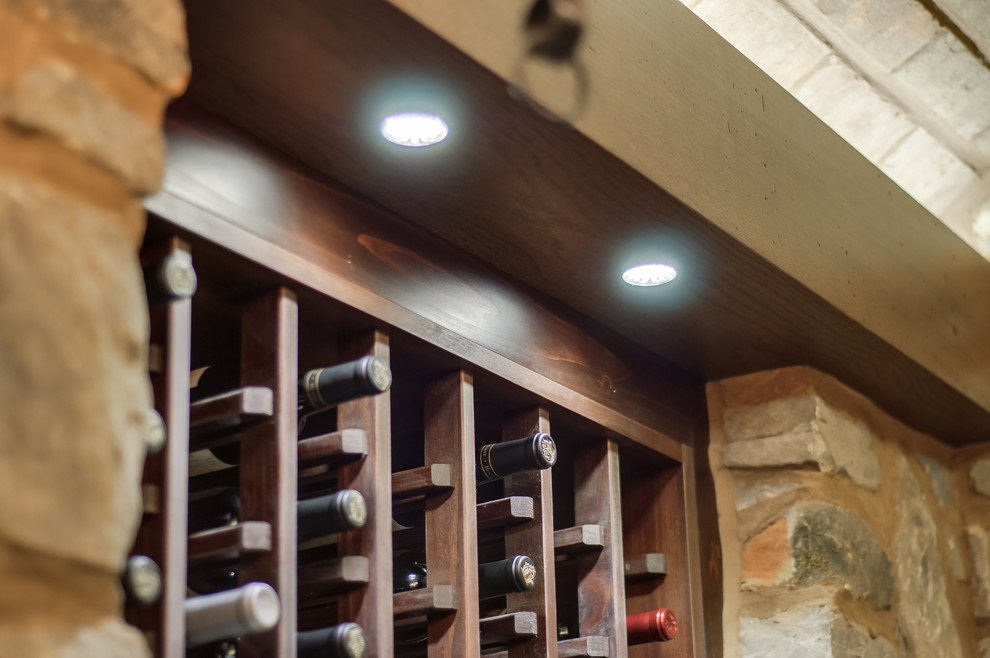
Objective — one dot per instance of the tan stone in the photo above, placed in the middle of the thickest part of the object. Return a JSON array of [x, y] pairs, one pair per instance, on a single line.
[[810, 632], [150, 35], [750, 493], [110, 638], [784, 416], [797, 431], [56, 99], [74, 384], [923, 613], [979, 474], [786, 450], [767, 557], [979, 550], [940, 478]]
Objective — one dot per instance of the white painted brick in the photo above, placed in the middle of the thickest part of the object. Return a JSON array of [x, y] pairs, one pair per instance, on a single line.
[[953, 83], [767, 34], [972, 17], [854, 109], [982, 142], [981, 227], [890, 30], [928, 171]]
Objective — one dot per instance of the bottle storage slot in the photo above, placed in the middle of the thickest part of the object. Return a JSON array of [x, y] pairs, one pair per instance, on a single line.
[[325, 484]]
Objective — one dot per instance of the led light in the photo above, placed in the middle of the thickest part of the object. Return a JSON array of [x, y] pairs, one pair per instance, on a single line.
[[649, 274], [414, 129]]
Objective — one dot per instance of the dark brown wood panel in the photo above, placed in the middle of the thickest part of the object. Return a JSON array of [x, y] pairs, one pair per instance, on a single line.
[[370, 606], [415, 282], [268, 468], [601, 590], [450, 517], [534, 198], [534, 539], [653, 520]]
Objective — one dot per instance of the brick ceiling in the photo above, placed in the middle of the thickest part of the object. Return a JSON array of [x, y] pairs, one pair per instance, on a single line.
[[905, 82]]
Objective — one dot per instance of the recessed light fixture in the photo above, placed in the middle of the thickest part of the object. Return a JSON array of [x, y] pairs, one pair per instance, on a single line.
[[414, 129], [649, 274]]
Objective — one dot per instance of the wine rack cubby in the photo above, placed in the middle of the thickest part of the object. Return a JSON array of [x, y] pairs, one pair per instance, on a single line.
[[608, 529]]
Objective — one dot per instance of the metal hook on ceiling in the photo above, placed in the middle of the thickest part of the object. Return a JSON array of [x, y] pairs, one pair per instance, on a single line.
[[552, 32]]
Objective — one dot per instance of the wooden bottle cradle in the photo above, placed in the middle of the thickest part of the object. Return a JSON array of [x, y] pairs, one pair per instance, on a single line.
[[624, 533]]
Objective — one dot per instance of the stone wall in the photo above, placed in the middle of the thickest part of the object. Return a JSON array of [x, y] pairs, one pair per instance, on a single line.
[[844, 532], [83, 85]]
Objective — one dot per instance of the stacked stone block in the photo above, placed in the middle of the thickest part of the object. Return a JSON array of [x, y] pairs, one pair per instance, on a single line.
[[844, 532], [83, 86]]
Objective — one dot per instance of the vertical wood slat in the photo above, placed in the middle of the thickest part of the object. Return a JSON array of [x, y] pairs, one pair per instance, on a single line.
[[162, 536], [598, 500], [371, 605], [451, 527], [653, 515], [692, 536], [535, 540], [268, 469]]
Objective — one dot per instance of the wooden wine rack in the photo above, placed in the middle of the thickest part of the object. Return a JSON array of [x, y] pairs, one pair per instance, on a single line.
[[610, 527]]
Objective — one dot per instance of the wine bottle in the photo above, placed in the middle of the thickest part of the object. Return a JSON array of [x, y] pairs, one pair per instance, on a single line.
[[325, 515], [657, 625], [318, 390], [344, 640], [172, 278], [155, 433], [514, 574], [141, 580], [497, 460], [251, 608], [215, 511], [325, 388]]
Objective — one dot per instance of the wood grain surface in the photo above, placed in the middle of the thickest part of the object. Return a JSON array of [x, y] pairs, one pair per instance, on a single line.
[[550, 206]]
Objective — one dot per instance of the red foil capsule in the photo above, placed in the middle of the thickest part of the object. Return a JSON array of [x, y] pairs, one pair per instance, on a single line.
[[657, 625]]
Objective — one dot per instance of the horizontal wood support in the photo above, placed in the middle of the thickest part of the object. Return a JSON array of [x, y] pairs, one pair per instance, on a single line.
[[505, 512], [645, 567], [435, 598], [578, 539], [334, 449], [595, 646], [326, 578], [227, 544], [422, 481], [214, 419], [506, 628]]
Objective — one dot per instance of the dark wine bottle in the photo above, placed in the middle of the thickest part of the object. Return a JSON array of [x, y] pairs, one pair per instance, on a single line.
[[326, 515], [251, 608], [325, 388], [341, 641], [318, 390], [170, 279], [141, 580], [408, 570], [215, 511], [497, 460], [514, 574], [657, 625]]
